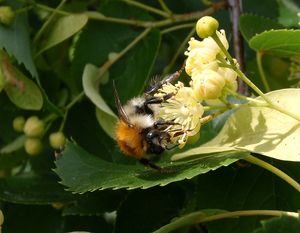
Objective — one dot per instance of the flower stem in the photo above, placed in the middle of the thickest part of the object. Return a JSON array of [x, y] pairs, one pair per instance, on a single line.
[[177, 27], [147, 8], [177, 18], [261, 71], [50, 18], [203, 217], [241, 213], [165, 7], [274, 170], [110, 62], [251, 84]]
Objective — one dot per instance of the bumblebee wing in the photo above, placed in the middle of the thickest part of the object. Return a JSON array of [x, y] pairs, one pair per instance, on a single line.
[[122, 114]]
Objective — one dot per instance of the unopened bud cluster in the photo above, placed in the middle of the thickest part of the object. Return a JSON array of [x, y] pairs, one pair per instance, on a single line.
[[34, 130], [209, 81]]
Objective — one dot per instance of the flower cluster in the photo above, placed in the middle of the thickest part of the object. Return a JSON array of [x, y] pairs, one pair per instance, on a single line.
[[182, 109], [209, 80]]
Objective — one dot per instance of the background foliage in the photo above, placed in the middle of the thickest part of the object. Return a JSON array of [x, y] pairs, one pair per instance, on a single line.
[[59, 55]]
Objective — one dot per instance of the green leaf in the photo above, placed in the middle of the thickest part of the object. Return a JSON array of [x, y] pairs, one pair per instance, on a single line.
[[26, 94], [250, 25], [64, 28], [105, 116], [17, 144], [281, 224], [284, 43], [260, 130], [33, 189], [100, 174], [99, 39], [288, 11], [16, 41]]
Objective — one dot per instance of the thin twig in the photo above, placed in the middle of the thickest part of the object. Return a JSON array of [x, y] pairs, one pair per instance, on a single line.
[[165, 7], [235, 10], [147, 8]]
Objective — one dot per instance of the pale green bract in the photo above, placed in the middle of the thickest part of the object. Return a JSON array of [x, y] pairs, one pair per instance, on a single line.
[[261, 130]]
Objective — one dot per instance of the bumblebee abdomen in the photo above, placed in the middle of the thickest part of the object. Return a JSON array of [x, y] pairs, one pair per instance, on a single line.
[[130, 140]]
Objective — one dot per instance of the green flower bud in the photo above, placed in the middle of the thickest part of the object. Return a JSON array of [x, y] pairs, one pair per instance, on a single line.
[[57, 140], [206, 26], [7, 15], [18, 123], [34, 127], [33, 146]]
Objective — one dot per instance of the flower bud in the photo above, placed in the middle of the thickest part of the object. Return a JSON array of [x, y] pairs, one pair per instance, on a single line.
[[33, 146], [57, 140], [18, 123], [208, 85], [34, 127], [7, 15], [206, 26]]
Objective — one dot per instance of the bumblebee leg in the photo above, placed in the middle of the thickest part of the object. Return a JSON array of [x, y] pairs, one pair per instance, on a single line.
[[148, 163], [158, 100], [156, 84], [173, 77]]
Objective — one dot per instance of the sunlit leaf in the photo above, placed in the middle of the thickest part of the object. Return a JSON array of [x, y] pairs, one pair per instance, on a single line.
[[260, 130]]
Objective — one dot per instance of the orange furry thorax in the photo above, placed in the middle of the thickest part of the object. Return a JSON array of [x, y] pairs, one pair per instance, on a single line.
[[130, 140]]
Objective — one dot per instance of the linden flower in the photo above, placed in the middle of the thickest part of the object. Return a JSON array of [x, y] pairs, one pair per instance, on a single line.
[[182, 109], [202, 53], [207, 85]]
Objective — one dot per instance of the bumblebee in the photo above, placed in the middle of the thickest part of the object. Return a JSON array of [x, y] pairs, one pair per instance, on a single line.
[[138, 132]]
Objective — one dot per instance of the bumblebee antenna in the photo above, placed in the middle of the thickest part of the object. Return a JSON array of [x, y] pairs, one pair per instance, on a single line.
[[122, 114]]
